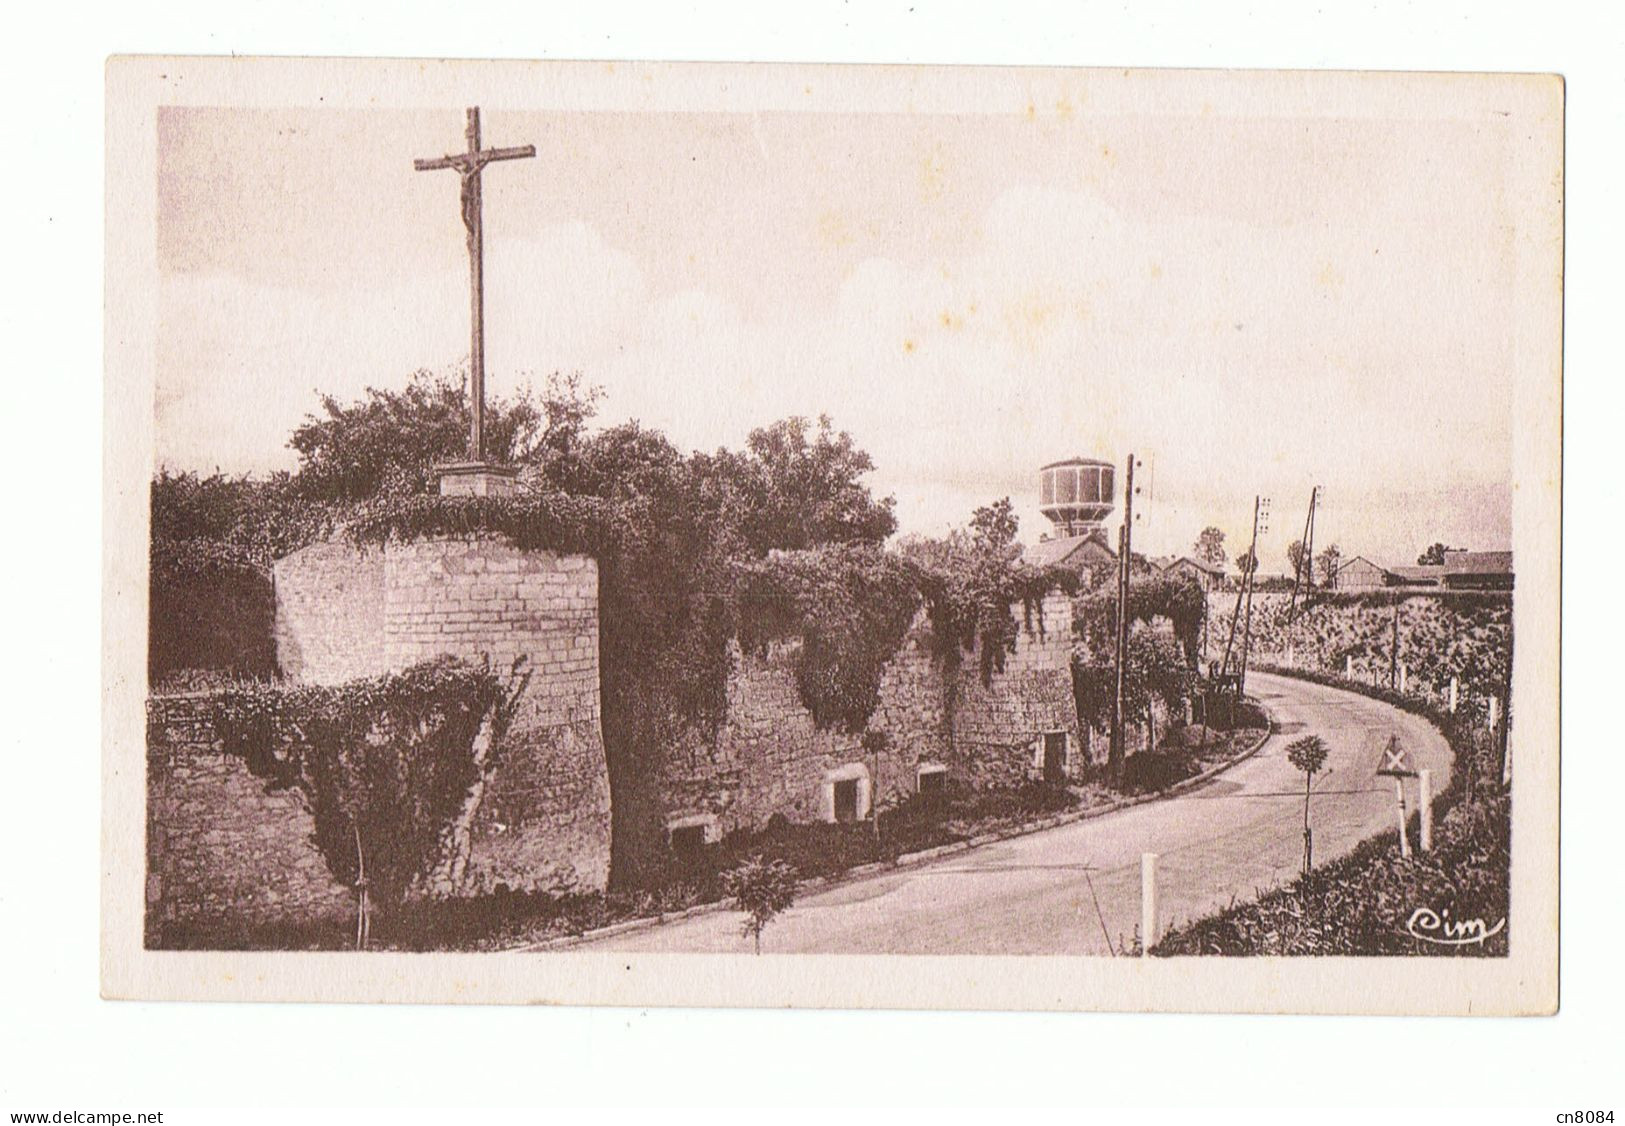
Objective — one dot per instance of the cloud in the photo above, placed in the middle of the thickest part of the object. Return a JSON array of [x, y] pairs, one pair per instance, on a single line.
[[1237, 357]]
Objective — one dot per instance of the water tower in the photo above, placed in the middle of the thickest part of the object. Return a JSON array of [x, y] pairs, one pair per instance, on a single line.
[[1076, 494]]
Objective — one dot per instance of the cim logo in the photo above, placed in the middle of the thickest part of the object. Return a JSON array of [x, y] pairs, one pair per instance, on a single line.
[[1429, 926]]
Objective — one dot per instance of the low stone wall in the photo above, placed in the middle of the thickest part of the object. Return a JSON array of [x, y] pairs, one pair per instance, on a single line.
[[219, 844], [769, 757]]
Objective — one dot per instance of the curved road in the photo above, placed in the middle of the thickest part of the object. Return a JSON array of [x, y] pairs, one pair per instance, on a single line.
[[1239, 834]]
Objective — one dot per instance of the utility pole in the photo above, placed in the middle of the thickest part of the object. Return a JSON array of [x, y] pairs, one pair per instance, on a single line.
[[1261, 516], [1245, 591], [1306, 558], [1125, 541]]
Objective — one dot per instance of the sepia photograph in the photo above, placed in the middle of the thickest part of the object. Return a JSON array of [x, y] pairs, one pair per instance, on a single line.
[[936, 537]]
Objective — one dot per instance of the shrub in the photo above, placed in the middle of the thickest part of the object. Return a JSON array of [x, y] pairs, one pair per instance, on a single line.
[[761, 889], [850, 605]]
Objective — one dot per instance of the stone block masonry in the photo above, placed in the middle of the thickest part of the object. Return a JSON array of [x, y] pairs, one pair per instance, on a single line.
[[541, 821], [221, 847], [769, 757], [999, 727]]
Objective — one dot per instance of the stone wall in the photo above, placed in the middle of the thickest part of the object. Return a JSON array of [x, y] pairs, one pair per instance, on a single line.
[[329, 624], [543, 816], [769, 757], [219, 845], [543, 821], [998, 726]]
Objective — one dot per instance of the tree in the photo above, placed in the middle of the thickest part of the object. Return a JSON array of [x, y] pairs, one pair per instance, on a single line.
[[1247, 561], [390, 441], [1210, 546], [994, 526], [1330, 560], [1308, 755], [794, 488], [1433, 556], [1295, 556], [762, 889]]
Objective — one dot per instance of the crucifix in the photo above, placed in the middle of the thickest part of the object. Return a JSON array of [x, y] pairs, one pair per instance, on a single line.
[[469, 164]]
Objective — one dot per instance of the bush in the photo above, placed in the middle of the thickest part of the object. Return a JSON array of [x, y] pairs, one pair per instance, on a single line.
[[761, 889], [1151, 772]]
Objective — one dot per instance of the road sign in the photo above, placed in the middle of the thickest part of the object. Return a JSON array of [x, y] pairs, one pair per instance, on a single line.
[[1396, 760]]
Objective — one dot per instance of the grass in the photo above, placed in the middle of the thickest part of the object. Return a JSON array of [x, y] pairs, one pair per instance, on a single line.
[[1361, 903]]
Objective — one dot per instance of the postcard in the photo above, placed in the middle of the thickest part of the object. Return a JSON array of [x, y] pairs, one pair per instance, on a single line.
[[827, 536]]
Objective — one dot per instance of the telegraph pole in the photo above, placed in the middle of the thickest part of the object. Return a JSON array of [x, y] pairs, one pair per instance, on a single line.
[[1306, 559], [1125, 541], [1261, 515]]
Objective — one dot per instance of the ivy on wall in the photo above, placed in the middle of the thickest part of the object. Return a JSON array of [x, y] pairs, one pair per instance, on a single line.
[[386, 764], [1175, 597], [533, 520], [972, 606], [851, 607]]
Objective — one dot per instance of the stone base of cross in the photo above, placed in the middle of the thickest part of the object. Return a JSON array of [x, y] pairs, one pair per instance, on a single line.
[[477, 479]]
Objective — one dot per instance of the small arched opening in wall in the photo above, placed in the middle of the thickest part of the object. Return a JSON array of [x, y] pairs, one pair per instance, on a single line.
[[930, 778], [1052, 756], [689, 833], [846, 793]]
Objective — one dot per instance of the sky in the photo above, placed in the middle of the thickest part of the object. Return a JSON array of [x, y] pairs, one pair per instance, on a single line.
[[1250, 305]]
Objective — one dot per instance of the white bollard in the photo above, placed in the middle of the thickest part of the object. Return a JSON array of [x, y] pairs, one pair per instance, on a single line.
[[1148, 902], [1404, 841], [1453, 689], [1495, 709], [1424, 801], [1348, 667], [1404, 678]]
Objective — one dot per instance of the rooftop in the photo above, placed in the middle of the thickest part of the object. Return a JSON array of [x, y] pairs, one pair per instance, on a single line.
[[1048, 552], [1478, 563]]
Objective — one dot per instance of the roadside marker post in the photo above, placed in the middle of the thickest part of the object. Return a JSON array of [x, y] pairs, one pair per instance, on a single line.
[[1148, 902], [1495, 708], [1348, 666], [1397, 764], [1453, 690], [1404, 841], [1424, 802], [1404, 678]]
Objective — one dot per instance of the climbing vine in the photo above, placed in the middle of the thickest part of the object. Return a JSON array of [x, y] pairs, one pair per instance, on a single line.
[[386, 764], [1175, 597], [972, 606], [533, 520], [850, 606]]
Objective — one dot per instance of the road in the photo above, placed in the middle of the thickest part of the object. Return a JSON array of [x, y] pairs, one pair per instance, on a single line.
[[1237, 835]]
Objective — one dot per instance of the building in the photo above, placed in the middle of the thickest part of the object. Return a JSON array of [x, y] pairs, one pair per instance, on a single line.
[[1209, 576], [1360, 573], [1422, 576], [1477, 570], [1088, 554]]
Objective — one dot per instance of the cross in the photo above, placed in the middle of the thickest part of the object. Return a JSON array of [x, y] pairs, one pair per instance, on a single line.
[[1395, 759], [468, 165]]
